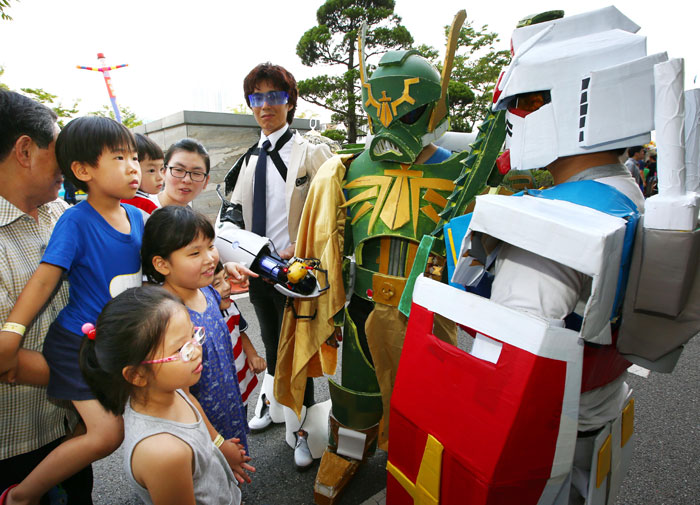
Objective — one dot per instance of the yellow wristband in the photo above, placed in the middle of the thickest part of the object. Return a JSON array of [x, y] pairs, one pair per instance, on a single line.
[[219, 440], [17, 328]]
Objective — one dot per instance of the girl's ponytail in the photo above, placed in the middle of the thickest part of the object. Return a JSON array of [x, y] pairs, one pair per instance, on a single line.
[[105, 386]]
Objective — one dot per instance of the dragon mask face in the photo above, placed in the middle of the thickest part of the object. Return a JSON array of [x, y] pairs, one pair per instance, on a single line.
[[399, 99]]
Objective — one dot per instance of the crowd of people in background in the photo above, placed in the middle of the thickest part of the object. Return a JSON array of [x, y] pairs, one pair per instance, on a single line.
[[641, 163]]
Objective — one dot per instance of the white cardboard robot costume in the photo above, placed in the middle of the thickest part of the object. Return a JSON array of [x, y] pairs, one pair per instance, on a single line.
[[602, 88]]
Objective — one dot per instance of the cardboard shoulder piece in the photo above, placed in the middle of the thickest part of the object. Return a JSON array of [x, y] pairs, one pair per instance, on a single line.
[[586, 240], [489, 450], [666, 257]]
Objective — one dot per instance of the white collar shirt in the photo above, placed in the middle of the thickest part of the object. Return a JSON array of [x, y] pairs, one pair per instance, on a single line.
[[276, 210]]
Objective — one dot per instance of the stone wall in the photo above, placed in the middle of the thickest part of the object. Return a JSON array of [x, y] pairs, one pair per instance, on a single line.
[[226, 137]]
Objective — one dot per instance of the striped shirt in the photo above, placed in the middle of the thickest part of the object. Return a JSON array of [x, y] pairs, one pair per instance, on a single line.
[[235, 323], [28, 420]]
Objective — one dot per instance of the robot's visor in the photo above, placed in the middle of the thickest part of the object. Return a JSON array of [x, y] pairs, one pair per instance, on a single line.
[[525, 103]]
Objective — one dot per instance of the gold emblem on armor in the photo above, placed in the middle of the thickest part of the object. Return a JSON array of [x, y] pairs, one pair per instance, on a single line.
[[397, 196], [386, 109]]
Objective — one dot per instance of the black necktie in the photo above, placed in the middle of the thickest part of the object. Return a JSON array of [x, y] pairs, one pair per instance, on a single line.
[[259, 187]]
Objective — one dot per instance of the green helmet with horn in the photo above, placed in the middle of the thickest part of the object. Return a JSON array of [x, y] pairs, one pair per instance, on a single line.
[[400, 98]]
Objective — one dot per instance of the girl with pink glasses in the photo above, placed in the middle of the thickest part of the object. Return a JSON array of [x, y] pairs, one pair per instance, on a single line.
[[140, 361]]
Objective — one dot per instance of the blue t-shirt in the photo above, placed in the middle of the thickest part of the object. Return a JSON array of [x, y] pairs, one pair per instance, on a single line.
[[217, 390], [100, 261]]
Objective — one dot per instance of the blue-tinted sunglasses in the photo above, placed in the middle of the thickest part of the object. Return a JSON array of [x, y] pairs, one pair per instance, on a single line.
[[271, 97]]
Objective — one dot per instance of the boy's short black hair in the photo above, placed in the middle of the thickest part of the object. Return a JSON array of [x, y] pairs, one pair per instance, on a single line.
[[85, 139], [19, 116], [147, 148]]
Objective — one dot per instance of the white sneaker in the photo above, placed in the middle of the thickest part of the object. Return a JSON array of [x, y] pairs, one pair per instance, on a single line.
[[302, 455], [264, 421]]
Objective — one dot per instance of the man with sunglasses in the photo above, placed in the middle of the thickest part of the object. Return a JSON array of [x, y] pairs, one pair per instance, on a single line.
[[269, 185]]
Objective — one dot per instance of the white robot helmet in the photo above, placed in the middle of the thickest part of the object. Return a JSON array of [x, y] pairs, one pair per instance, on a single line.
[[576, 85]]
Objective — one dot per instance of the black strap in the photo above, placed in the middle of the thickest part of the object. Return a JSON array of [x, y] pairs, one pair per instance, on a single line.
[[275, 156], [232, 175]]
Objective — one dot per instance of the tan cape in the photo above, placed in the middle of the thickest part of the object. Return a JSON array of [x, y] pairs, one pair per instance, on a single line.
[[302, 350]]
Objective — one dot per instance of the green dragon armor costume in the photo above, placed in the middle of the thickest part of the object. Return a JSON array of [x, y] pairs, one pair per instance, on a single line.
[[376, 207]]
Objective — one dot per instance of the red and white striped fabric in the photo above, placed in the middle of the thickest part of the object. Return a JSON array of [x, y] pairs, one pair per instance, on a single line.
[[247, 379]]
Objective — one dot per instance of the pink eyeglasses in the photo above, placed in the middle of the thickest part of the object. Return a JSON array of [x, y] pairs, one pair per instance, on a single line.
[[186, 352]]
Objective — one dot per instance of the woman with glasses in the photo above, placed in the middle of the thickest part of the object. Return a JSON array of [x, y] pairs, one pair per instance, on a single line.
[[270, 183], [186, 173]]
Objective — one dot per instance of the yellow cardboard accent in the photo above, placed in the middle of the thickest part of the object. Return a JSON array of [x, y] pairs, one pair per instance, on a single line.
[[402, 203], [405, 482], [384, 249], [452, 245], [417, 185], [429, 211], [405, 96], [433, 196], [333, 475], [384, 184], [429, 473], [397, 209], [370, 99], [385, 112], [426, 490], [366, 207], [604, 461], [440, 110], [411, 255], [365, 195], [627, 422], [387, 289]]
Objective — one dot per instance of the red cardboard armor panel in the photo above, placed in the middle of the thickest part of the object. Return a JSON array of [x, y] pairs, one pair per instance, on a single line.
[[499, 423]]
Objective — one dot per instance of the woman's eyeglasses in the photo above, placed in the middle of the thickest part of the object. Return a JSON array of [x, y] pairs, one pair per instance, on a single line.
[[181, 173]]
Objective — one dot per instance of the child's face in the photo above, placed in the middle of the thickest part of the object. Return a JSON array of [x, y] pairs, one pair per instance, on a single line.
[[152, 175], [222, 285], [175, 374], [116, 175], [183, 190], [192, 266]]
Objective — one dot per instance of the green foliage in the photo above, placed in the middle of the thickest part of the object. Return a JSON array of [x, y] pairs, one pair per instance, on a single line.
[[129, 118], [337, 135], [306, 114], [543, 179], [334, 42], [476, 69], [4, 4], [40, 95], [64, 114]]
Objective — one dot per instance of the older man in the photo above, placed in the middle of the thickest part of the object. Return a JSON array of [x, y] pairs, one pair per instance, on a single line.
[[31, 424]]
